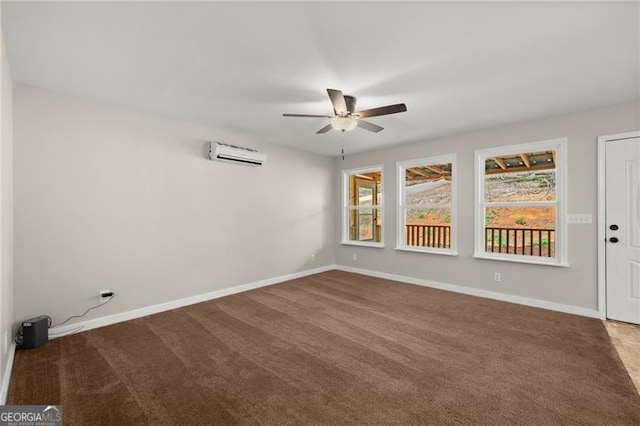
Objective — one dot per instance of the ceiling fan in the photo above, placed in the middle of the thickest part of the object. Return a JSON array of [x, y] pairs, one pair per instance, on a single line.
[[346, 118]]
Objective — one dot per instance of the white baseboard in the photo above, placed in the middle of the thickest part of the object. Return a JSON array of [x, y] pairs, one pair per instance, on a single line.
[[537, 303], [6, 375], [154, 309]]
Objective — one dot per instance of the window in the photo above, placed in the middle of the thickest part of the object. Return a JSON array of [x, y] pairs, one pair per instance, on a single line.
[[362, 202], [521, 201], [426, 205]]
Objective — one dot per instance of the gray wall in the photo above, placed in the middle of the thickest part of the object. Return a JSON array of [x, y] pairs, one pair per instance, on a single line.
[[111, 198], [6, 212], [576, 285]]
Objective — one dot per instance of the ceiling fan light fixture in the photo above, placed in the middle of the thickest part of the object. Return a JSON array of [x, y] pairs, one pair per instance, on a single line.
[[346, 117], [343, 124]]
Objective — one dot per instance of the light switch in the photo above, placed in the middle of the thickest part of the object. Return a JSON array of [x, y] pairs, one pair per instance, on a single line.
[[579, 219]]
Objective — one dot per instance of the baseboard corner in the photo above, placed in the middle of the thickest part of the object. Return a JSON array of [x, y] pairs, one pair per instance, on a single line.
[[6, 374]]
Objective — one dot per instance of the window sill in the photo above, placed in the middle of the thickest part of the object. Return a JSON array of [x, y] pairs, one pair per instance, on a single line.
[[445, 252], [362, 244], [522, 259]]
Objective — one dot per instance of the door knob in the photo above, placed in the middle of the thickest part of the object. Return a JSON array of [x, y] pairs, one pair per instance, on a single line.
[[613, 240], [614, 227]]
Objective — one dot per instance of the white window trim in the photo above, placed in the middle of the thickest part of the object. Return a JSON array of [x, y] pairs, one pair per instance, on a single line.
[[561, 243], [346, 207], [401, 167], [362, 244]]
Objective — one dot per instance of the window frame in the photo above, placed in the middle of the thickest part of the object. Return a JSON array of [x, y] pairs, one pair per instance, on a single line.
[[560, 204], [401, 167], [347, 207]]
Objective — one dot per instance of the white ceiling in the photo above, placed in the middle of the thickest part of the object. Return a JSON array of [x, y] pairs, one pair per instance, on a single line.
[[239, 66]]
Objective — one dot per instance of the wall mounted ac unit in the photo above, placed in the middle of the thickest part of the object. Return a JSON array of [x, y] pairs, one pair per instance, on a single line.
[[236, 154]]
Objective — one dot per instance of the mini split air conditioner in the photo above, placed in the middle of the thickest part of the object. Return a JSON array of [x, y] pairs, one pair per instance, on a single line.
[[236, 154]]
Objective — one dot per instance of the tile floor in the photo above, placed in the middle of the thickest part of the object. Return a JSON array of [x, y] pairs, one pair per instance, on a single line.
[[626, 339]]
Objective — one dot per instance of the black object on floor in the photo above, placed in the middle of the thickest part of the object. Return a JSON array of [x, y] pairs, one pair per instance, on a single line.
[[35, 332]]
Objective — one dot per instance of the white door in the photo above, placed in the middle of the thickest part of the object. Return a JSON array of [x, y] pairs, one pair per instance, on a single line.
[[622, 219]]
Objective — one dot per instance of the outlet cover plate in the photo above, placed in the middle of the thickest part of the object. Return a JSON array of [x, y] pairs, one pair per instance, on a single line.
[[102, 298]]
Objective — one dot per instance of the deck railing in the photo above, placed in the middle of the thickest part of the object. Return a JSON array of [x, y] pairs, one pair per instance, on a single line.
[[524, 241], [429, 236]]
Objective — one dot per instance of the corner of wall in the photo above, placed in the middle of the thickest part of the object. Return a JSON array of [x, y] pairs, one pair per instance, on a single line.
[[6, 375], [7, 347]]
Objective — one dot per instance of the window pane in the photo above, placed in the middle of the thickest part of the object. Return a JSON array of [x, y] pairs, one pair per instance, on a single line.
[[365, 195], [520, 230], [426, 205], [364, 225], [364, 189], [521, 177], [363, 219], [428, 227], [428, 184]]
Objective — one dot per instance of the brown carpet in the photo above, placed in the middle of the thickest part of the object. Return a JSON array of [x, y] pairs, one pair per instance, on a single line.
[[335, 348]]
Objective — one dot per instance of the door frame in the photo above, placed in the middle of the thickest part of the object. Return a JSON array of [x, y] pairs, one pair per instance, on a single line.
[[373, 184], [602, 254]]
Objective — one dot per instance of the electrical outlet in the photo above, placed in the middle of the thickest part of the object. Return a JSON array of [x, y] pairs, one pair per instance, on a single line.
[[6, 341], [103, 298], [355, 256], [497, 277], [313, 257]]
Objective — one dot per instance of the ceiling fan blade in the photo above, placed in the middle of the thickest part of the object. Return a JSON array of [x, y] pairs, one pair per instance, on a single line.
[[337, 99], [385, 110], [325, 129], [307, 115], [369, 126]]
